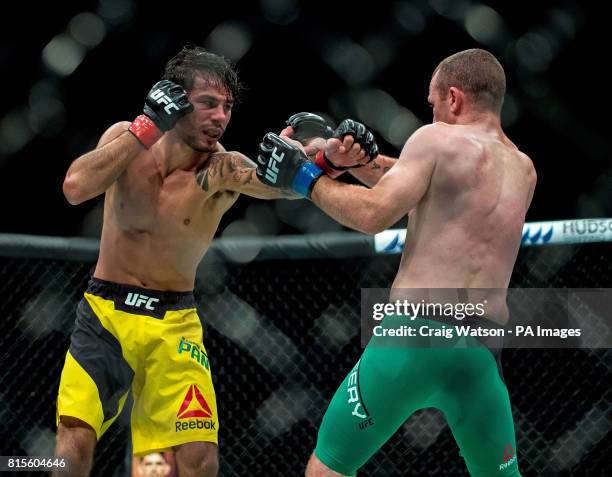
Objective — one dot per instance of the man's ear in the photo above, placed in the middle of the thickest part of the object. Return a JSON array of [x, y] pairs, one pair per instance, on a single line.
[[455, 100]]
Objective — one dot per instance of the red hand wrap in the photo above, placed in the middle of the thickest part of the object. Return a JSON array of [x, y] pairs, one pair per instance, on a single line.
[[145, 131], [322, 163]]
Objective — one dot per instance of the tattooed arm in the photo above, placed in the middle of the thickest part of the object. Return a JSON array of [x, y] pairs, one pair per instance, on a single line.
[[233, 171], [371, 173]]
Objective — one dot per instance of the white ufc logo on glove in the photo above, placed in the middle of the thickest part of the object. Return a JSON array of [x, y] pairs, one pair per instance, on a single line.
[[272, 169], [161, 98]]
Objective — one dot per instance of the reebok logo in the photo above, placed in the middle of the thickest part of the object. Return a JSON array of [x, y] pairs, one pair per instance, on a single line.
[[161, 98], [189, 408], [509, 458], [272, 169], [197, 424], [137, 300], [194, 405]]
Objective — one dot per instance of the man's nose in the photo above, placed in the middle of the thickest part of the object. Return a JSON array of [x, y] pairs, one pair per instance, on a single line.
[[220, 113]]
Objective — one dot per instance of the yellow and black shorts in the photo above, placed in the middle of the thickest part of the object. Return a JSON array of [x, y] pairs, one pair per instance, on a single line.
[[151, 341]]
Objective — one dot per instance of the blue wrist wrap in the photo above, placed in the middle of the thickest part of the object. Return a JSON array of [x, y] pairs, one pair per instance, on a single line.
[[305, 178]]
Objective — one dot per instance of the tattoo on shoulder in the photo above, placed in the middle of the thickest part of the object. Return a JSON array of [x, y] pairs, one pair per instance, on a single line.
[[226, 165]]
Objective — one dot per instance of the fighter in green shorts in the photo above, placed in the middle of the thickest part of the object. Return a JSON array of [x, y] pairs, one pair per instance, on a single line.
[[396, 377], [466, 189]]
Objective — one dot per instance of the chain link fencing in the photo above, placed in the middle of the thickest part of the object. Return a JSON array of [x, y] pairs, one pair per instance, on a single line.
[[282, 334]]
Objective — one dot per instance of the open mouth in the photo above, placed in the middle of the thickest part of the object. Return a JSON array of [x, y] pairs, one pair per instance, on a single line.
[[214, 133]]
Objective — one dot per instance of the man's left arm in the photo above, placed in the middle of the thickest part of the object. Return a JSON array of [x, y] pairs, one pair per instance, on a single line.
[[367, 210], [392, 197], [233, 171]]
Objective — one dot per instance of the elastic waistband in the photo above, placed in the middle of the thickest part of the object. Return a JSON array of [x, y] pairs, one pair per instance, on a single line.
[[141, 301]]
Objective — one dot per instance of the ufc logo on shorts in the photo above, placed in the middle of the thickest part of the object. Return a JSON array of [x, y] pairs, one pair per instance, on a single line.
[[272, 169], [159, 96], [137, 300]]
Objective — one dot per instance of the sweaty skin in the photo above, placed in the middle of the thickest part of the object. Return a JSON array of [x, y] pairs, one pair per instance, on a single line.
[[158, 227], [465, 188], [481, 184], [163, 207], [460, 185]]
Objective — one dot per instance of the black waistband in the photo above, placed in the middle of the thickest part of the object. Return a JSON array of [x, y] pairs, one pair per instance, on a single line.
[[141, 301]]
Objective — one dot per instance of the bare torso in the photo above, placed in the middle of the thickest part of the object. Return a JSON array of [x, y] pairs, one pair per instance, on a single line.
[[466, 231], [158, 227]]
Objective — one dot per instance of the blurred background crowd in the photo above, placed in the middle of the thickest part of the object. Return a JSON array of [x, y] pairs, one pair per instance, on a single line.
[[71, 69]]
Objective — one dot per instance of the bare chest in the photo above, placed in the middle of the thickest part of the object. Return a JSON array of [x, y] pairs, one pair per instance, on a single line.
[[143, 201]]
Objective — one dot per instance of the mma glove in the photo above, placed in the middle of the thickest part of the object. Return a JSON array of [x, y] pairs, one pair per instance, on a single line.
[[165, 104], [308, 125], [361, 136], [284, 166]]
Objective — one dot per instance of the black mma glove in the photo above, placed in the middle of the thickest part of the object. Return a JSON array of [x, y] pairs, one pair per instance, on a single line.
[[361, 136], [166, 103], [308, 125], [285, 166]]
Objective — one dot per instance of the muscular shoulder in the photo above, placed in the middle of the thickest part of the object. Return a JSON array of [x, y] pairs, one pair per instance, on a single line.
[[113, 132], [452, 140], [532, 176], [527, 162], [457, 155], [231, 160], [438, 139], [223, 168]]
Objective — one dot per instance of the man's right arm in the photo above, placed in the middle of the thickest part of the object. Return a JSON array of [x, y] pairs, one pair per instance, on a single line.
[[94, 172]]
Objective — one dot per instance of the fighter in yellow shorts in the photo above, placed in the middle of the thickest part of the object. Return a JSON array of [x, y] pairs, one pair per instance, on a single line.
[[167, 182], [151, 341]]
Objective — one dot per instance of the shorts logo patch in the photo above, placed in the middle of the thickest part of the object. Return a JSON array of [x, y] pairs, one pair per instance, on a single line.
[[354, 399], [196, 353], [509, 458], [137, 300], [194, 408]]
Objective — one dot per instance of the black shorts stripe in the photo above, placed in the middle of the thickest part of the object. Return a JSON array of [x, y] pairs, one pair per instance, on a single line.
[[98, 352]]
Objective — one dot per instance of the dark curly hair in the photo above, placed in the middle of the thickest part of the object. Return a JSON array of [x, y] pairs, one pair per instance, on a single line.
[[192, 59]]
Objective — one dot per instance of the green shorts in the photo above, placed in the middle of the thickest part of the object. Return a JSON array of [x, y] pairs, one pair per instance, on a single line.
[[461, 377]]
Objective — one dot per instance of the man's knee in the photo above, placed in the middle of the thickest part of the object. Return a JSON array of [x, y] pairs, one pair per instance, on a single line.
[[76, 441], [316, 468], [198, 458], [75, 434]]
